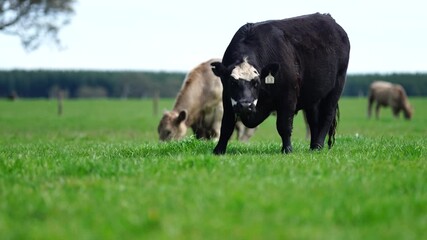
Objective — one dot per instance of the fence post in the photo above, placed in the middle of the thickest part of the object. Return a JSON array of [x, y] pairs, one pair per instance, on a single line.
[[156, 97], [60, 102]]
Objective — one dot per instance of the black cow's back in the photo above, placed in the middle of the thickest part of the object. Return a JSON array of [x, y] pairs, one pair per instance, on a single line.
[[313, 46]]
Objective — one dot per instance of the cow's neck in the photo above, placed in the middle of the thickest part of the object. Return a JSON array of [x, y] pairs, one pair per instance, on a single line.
[[189, 102]]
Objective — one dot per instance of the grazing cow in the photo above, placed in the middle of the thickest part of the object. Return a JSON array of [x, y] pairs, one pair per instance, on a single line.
[[199, 106], [284, 66], [388, 94]]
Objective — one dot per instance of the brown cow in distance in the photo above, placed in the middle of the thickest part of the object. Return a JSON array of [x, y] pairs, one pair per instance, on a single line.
[[198, 105], [388, 94]]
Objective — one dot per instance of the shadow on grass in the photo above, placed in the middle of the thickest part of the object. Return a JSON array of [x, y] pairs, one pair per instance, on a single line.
[[192, 146]]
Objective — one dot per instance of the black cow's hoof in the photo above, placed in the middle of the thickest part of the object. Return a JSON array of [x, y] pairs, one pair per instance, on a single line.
[[287, 149], [218, 151], [316, 147]]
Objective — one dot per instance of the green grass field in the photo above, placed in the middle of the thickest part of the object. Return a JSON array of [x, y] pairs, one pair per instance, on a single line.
[[99, 172]]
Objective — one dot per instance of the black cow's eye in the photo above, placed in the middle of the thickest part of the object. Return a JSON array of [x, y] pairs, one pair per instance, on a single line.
[[255, 83]]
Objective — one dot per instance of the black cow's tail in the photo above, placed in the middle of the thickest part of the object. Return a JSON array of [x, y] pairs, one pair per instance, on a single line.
[[333, 128]]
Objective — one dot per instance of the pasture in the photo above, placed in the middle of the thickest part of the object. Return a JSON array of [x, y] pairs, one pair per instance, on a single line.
[[99, 172]]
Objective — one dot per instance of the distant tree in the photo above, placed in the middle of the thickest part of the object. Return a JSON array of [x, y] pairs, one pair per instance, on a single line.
[[35, 21]]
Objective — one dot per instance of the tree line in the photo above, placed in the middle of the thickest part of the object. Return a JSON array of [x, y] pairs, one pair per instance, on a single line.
[[146, 84], [84, 84]]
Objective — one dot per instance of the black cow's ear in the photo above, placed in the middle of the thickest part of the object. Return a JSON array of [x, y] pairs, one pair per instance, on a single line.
[[271, 68], [218, 69], [181, 117]]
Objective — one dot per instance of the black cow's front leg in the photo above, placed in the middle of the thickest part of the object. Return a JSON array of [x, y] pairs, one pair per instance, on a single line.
[[284, 127], [227, 127]]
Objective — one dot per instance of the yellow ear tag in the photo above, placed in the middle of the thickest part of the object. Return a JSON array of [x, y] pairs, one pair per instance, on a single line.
[[269, 79]]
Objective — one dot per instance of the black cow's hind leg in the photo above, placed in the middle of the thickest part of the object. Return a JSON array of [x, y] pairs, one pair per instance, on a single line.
[[327, 116], [284, 128], [313, 121]]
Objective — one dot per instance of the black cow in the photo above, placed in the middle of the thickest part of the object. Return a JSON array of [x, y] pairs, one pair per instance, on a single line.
[[284, 66]]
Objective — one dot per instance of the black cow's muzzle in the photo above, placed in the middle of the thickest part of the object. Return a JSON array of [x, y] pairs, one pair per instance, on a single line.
[[244, 107]]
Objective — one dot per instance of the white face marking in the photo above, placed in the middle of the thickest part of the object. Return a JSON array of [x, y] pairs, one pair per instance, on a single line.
[[244, 71], [255, 102]]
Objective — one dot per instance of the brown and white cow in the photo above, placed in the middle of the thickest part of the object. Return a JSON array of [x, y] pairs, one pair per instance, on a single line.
[[198, 105], [388, 94]]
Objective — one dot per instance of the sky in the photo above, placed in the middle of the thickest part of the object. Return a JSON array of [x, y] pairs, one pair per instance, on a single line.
[[386, 36]]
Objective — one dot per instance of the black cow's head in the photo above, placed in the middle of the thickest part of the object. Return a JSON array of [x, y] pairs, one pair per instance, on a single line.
[[243, 82]]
